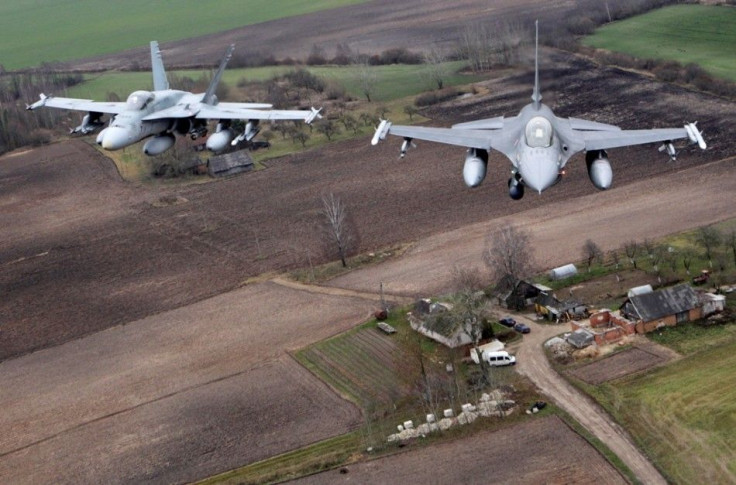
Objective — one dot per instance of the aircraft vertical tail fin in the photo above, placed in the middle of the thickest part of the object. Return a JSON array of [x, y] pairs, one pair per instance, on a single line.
[[209, 96], [160, 82], [536, 95]]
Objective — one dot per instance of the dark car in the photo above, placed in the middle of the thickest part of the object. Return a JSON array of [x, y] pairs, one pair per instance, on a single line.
[[507, 322], [521, 328]]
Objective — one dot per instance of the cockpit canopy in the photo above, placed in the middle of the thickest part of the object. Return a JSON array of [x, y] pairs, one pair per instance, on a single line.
[[138, 100], [539, 132]]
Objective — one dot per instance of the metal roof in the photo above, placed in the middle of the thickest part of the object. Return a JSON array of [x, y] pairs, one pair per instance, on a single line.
[[668, 301]]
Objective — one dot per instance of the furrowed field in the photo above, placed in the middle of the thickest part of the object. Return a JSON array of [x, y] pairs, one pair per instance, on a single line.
[[705, 35], [683, 415], [61, 30]]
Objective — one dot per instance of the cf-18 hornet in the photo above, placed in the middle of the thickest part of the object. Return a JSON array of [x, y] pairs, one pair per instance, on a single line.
[[162, 112], [538, 143]]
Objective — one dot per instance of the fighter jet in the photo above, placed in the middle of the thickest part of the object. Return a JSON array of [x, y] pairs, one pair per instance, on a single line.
[[538, 143], [162, 112]]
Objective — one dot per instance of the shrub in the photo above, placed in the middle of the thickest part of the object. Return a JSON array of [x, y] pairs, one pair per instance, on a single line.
[[434, 97]]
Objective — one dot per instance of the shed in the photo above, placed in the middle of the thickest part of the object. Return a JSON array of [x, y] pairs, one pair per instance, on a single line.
[[563, 272], [713, 303], [640, 290], [516, 294], [580, 339], [492, 346], [230, 163]]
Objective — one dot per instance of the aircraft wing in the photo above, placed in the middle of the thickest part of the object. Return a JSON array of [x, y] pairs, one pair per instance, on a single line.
[[235, 113], [232, 111], [78, 104], [481, 139], [601, 140]]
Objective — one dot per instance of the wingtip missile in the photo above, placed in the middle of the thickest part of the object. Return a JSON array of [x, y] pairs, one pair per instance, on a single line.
[[695, 135], [38, 104], [381, 131]]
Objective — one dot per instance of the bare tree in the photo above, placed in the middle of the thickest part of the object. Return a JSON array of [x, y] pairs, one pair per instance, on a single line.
[[337, 226], [470, 306], [731, 241], [657, 255], [328, 128], [687, 260], [411, 110], [436, 61], [367, 78], [709, 237], [591, 253], [648, 246], [616, 263], [631, 248], [508, 252], [483, 45]]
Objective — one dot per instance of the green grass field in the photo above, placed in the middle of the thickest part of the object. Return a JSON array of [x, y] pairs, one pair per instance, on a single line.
[[38, 31], [705, 35], [392, 82], [684, 415]]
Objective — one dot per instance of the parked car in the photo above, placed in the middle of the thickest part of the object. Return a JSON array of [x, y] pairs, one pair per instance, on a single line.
[[507, 322], [522, 328]]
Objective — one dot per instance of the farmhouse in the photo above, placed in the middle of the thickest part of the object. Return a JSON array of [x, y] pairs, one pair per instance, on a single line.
[[434, 321], [665, 307]]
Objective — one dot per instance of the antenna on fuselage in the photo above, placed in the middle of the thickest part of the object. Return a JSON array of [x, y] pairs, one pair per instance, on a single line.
[[536, 95], [209, 96], [160, 82]]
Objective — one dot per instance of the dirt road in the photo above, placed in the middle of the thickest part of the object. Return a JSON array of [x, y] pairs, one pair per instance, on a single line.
[[533, 363], [664, 205]]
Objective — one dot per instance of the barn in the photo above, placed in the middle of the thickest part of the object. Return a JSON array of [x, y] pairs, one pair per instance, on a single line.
[[665, 307]]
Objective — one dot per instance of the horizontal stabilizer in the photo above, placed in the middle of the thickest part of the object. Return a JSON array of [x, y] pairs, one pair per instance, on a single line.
[[313, 115]]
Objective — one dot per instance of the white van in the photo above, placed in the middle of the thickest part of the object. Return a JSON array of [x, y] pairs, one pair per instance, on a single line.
[[499, 358]]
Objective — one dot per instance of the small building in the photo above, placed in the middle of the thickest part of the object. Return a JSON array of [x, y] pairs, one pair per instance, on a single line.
[[563, 272], [665, 307], [442, 327], [580, 338], [230, 163], [549, 307], [640, 290], [712, 303], [492, 346], [518, 294]]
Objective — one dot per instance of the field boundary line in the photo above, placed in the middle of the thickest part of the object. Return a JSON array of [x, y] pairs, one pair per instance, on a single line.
[[331, 290]]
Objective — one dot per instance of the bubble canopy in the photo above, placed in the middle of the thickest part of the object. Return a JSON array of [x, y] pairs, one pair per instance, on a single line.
[[138, 100], [539, 132]]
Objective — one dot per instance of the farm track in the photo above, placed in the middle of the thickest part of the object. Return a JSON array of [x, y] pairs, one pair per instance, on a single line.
[[534, 364]]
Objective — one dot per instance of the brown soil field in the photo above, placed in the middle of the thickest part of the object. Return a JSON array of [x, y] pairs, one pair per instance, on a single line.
[[543, 450], [83, 251], [370, 27], [642, 356], [176, 396]]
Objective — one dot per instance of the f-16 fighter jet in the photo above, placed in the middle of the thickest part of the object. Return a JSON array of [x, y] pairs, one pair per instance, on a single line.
[[163, 112], [538, 143]]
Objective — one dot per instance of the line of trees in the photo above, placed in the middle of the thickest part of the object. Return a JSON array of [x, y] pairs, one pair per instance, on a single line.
[[709, 243], [20, 127]]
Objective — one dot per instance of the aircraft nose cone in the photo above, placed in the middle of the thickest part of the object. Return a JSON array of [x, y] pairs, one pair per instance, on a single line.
[[538, 173], [116, 137]]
